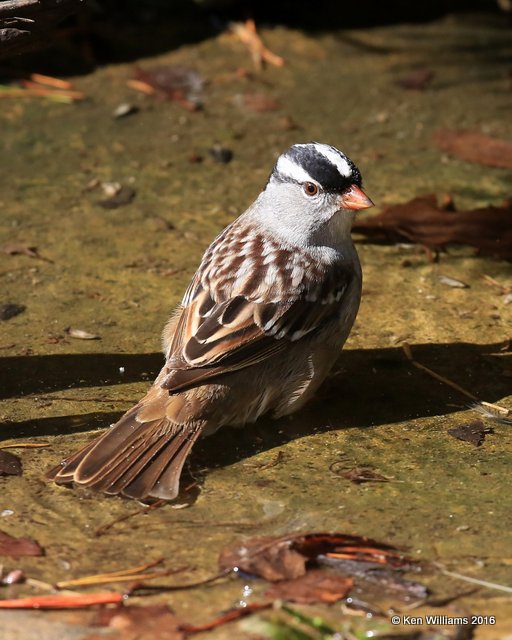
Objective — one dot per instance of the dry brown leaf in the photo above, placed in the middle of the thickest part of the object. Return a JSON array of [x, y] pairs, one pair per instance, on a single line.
[[17, 547], [474, 146], [20, 249], [315, 586], [11, 310], [10, 465], [285, 558], [269, 558], [474, 432], [171, 82], [423, 222], [140, 623], [260, 102], [417, 80], [359, 475]]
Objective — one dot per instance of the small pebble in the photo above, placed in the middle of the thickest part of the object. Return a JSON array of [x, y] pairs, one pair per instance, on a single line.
[[124, 109], [111, 189], [221, 154], [453, 282], [80, 334], [120, 198]]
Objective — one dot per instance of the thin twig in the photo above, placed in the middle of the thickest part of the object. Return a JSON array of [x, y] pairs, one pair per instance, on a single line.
[[230, 616], [496, 407], [111, 574], [190, 585], [494, 283], [247, 34], [482, 583], [77, 601], [50, 81], [26, 445], [104, 528], [88, 581]]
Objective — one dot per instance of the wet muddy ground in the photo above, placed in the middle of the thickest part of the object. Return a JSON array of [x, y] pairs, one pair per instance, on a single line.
[[117, 273]]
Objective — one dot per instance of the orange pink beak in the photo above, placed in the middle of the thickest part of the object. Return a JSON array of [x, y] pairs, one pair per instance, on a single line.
[[355, 198]]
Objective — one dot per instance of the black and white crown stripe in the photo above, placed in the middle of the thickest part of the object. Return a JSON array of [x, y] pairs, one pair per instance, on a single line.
[[318, 163]]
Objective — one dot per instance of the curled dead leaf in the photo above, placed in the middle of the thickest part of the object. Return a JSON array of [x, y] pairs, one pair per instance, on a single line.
[[287, 557], [423, 221], [476, 147]]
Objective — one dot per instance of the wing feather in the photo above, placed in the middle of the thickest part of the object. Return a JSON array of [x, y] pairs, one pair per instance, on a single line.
[[224, 327]]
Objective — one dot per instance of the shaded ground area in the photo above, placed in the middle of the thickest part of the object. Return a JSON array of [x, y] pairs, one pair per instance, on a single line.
[[118, 272]]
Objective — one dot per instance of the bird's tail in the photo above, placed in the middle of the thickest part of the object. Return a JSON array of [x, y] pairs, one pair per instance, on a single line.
[[135, 458]]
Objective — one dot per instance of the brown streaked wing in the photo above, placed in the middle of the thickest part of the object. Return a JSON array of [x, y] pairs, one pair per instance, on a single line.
[[217, 338]]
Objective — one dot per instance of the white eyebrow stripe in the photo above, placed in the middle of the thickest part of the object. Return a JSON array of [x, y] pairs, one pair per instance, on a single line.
[[335, 158], [289, 169]]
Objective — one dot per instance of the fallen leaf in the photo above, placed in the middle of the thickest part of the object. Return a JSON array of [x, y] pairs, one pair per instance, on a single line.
[[269, 558], [315, 586], [356, 548], [417, 80], [288, 124], [17, 547], [358, 475], [285, 558], [10, 465], [260, 102], [10, 310], [16, 576], [476, 147], [12, 249], [423, 222], [140, 623], [22, 249], [80, 334], [173, 82], [474, 432]]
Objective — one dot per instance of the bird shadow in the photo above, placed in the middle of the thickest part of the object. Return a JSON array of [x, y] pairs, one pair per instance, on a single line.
[[370, 387]]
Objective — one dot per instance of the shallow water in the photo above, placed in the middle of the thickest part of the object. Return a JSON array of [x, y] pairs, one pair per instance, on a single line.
[[117, 274]]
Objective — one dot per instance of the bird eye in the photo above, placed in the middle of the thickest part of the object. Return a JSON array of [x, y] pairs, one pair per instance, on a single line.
[[310, 188]]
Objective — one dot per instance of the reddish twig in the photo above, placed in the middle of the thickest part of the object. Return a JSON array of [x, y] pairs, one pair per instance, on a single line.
[[63, 601]]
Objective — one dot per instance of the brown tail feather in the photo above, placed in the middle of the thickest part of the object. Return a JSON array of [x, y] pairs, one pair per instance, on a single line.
[[65, 470], [163, 475], [113, 455], [115, 475], [132, 458]]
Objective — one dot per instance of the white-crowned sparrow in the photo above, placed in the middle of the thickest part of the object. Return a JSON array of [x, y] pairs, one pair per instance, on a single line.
[[258, 330]]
